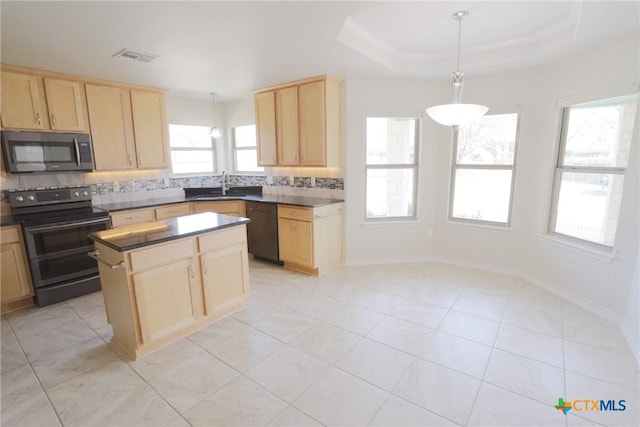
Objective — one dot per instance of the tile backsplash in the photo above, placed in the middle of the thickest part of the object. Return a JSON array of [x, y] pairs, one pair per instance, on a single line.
[[124, 188]]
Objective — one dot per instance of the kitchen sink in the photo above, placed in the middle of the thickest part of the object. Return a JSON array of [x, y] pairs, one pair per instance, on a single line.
[[215, 193]]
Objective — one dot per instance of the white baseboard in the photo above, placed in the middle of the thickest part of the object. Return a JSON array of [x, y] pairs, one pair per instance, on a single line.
[[387, 260]]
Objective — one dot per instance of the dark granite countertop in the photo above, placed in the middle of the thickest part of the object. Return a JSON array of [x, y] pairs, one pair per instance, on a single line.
[[310, 202], [151, 233], [138, 204]]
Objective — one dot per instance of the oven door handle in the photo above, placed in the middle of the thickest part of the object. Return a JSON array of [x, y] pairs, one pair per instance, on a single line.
[[96, 255], [62, 226]]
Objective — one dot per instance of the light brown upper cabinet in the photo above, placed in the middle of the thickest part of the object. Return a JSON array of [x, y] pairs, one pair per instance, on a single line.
[[22, 106], [287, 135], [111, 127], [127, 123], [65, 105], [304, 120], [32, 102], [150, 128], [266, 128], [128, 127]]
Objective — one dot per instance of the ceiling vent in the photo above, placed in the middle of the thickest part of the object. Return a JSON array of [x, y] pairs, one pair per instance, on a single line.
[[135, 56]]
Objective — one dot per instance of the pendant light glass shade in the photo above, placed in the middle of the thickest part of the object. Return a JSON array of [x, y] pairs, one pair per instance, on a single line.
[[215, 132], [457, 113]]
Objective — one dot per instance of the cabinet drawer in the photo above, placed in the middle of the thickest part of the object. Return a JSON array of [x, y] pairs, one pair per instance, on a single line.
[[222, 239], [119, 219], [162, 254], [9, 234], [290, 212], [173, 211], [227, 208]]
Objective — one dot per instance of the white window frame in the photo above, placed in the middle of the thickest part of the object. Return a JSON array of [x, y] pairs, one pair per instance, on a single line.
[[234, 152], [213, 149], [414, 166], [455, 166], [564, 105]]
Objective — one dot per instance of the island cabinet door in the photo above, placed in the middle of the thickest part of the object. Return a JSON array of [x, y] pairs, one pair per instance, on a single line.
[[167, 298], [225, 276]]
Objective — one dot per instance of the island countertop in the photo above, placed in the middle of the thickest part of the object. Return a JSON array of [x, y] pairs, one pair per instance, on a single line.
[[150, 233]]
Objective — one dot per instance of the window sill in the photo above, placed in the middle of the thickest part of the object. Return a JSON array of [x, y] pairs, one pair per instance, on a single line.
[[599, 254], [485, 227]]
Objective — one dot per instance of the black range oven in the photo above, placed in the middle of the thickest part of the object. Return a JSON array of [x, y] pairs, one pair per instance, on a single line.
[[55, 224]]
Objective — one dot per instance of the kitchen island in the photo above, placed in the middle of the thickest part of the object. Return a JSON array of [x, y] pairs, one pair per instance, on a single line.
[[162, 280]]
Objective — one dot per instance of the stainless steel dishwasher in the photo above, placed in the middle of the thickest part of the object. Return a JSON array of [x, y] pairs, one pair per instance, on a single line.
[[262, 231]]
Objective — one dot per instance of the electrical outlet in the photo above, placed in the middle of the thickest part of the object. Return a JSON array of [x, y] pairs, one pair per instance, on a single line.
[[291, 181], [116, 186], [313, 181]]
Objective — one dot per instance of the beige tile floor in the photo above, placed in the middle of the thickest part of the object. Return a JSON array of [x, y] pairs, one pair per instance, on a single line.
[[389, 345]]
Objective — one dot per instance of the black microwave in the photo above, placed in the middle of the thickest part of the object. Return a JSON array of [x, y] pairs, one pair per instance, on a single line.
[[46, 152]]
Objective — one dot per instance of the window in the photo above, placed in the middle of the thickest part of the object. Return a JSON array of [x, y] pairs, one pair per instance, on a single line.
[[245, 150], [192, 149], [484, 169], [391, 167], [592, 160]]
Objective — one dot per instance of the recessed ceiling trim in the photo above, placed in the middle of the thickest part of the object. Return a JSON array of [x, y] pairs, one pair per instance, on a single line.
[[364, 40]]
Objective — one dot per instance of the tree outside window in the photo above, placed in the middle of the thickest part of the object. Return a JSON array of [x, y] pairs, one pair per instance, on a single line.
[[484, 169]]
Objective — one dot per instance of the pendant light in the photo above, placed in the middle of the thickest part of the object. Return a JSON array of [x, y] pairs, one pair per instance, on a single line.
[[215, 132], [457, 113]]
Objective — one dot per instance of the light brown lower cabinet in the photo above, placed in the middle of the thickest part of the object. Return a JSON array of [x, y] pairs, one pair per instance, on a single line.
[[16, 290], [169, 290], [227, 207], [138, 216], [310, 239]]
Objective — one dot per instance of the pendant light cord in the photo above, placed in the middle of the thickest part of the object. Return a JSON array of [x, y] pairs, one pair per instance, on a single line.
[[459, 40]]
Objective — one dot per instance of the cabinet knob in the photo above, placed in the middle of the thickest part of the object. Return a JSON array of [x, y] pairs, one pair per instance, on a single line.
[[53, 119], [38, 119]]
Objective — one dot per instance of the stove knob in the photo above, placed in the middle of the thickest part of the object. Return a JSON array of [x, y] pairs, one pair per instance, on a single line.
[[20, 198], [85, 193], [31, 198], [76, 194]]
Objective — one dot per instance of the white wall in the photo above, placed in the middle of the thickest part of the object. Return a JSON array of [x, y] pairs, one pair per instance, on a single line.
[[603, 285], [397, 242], [631, 322]]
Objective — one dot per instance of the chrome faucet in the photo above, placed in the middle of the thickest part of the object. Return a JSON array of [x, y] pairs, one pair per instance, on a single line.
[[225, 182]]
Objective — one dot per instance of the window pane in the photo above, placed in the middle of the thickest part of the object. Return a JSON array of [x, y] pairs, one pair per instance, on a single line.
[[247, 161], [190, 136], [588, 206], [482, 195], [599, 133], [244, 136], [390, 193], [489, 141], [192, 161], [391, 140]]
